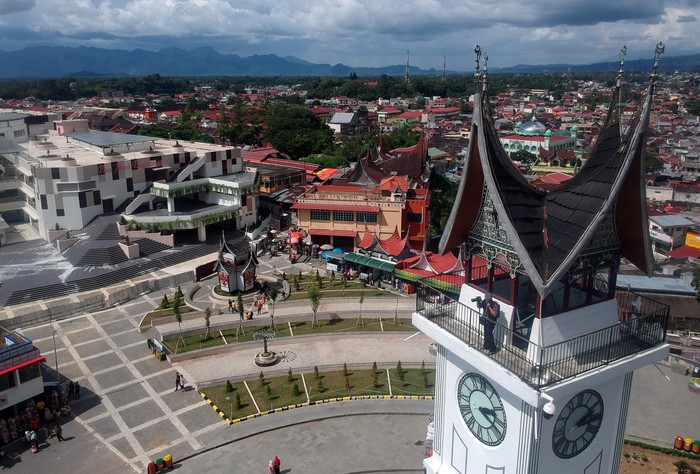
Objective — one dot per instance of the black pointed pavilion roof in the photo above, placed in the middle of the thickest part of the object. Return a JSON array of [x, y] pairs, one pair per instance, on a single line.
[[550, 230]]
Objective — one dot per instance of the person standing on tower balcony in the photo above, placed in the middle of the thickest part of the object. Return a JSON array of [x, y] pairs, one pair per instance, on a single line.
[[491, 312]]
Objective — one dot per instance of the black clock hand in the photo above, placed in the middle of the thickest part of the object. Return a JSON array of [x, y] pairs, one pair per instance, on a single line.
[[584, 420]]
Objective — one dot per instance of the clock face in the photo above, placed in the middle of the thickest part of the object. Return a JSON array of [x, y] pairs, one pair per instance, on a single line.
[[482, 409], [577, 424]]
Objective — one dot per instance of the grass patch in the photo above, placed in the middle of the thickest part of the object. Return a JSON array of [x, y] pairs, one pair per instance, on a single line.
[[361, 383], [334, 289], [218, 395], [413, 383], [300, 328], [281, 392]]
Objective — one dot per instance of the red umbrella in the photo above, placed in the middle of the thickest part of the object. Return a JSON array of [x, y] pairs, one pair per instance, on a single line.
[[296, 235]]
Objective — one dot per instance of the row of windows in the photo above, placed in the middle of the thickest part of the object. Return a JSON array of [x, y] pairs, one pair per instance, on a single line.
[[343, 216]]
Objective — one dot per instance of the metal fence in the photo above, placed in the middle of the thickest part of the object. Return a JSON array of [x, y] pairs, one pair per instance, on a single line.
[[644, 327]]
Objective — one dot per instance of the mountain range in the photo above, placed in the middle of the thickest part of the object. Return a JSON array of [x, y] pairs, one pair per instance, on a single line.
[[59, 61]]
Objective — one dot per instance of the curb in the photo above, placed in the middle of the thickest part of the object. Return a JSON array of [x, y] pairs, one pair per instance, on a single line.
[[307, 404]]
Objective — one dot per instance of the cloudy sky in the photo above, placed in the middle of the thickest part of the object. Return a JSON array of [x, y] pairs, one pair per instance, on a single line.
[[365, 32]]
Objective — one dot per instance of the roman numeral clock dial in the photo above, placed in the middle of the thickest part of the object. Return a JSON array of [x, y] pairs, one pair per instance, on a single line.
[[482, 409], [577, 424]]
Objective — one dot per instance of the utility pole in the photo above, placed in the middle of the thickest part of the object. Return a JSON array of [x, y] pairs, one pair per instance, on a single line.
[[408, 67], [444, 69]]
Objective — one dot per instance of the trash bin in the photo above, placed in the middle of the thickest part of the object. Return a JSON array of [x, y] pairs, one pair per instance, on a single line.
[[150, 343], [696, 371], [696, 446], [168, 460], [151, 468], [688, 444], [679, 442]]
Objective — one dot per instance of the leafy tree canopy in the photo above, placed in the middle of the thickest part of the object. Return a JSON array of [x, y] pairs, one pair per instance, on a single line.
[[296, 131]]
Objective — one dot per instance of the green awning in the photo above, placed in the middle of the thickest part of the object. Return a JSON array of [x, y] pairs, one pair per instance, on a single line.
[[370, 262]]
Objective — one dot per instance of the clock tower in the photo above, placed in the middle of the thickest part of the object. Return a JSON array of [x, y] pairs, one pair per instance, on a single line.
[[552, 396]]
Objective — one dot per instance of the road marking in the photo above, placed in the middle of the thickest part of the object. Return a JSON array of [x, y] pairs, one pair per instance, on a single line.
[[251, 396], [388, 381], [412, 335], [222, 337], [306, 390], [291, 332]]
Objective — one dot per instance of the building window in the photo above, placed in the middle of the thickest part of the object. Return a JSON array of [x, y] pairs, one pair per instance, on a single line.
[[19, 133], [344, 216], [44, 202], [82, 200], [115, 171], [414, 217], [96, 198], [129, 185], [55, 173], [319, 215], [7, 381], [61, 212], [28, 373], [244, 200], [368, 217]]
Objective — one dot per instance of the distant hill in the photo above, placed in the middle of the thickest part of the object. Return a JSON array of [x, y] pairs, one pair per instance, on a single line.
[[58, 61]]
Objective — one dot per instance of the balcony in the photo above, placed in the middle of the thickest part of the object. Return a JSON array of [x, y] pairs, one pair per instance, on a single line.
[[541, 366]]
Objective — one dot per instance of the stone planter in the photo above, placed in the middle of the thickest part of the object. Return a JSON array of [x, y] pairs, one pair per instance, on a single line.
[[266, 359], [130, 250]]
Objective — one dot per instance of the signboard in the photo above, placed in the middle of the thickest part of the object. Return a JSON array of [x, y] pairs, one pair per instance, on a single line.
[[248, 280], [223, 281], [332, 267], [229, 258], [692, 240], [660, 236]]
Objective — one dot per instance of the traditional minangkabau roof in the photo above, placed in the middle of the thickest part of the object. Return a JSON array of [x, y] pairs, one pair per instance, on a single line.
[[236, 256], [550, 230], [395, 246], [365, 172], [409, 161], [369, 239]]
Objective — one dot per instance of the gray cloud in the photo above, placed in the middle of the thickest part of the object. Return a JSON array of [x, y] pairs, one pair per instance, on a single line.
[[15, 6], [687, 19]]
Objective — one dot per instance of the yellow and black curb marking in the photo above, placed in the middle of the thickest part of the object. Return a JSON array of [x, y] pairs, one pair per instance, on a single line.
[[306, 404]]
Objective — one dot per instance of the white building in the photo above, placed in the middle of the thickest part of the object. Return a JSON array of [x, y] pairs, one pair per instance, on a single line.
[[65, 178]]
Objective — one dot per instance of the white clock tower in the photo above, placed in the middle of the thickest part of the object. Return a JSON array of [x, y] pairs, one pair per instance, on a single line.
[[553, 395]]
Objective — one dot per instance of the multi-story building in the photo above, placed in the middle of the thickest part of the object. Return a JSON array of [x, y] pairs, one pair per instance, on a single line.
[[68, 176]]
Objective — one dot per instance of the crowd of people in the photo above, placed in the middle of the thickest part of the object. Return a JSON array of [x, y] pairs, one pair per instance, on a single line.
[[37, 417]]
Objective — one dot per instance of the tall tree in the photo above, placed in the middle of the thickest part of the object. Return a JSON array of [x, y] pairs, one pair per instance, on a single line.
[[314, 295], [296, 131]]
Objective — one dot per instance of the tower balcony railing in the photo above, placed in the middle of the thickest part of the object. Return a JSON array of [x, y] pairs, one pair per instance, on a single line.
[[642, 327]]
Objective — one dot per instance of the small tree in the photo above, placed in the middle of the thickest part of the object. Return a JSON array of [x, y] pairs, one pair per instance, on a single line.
[[422, 366], [399, 368], [237, 401], [268, 392], [375, 380], [178, 317], [295, 281], [262, 378], [316, 374], [345, 369], [319, 385], [229, 387], [273, 297], [314, 295], [207, 323], [374, 366], [295, 390], [239, 304], [290, 377], [360, 322], [425, 381], [347, 384], [164, 303], [179, 292]]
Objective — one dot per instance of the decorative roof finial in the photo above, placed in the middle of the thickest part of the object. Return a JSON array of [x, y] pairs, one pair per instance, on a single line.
[[477, 74], [660, 49], [623, 53], [486, 69]]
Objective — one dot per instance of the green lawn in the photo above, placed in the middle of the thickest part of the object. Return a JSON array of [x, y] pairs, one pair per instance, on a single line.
[[218, 395], [413, 383], [333, 385], [299, 328]]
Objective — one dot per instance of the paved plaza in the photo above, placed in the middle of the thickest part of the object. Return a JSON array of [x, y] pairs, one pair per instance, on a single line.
[[129, 413]]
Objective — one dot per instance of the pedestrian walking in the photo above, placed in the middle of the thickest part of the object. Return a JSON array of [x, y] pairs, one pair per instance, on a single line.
[[76, 389], [59, 432], [71, 390], [230, 306], [276, 464], [177, 380], [182, 382], [271, 468], [259, 304]]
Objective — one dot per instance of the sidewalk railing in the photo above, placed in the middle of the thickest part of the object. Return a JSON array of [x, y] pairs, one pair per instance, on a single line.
[[539, 365]]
